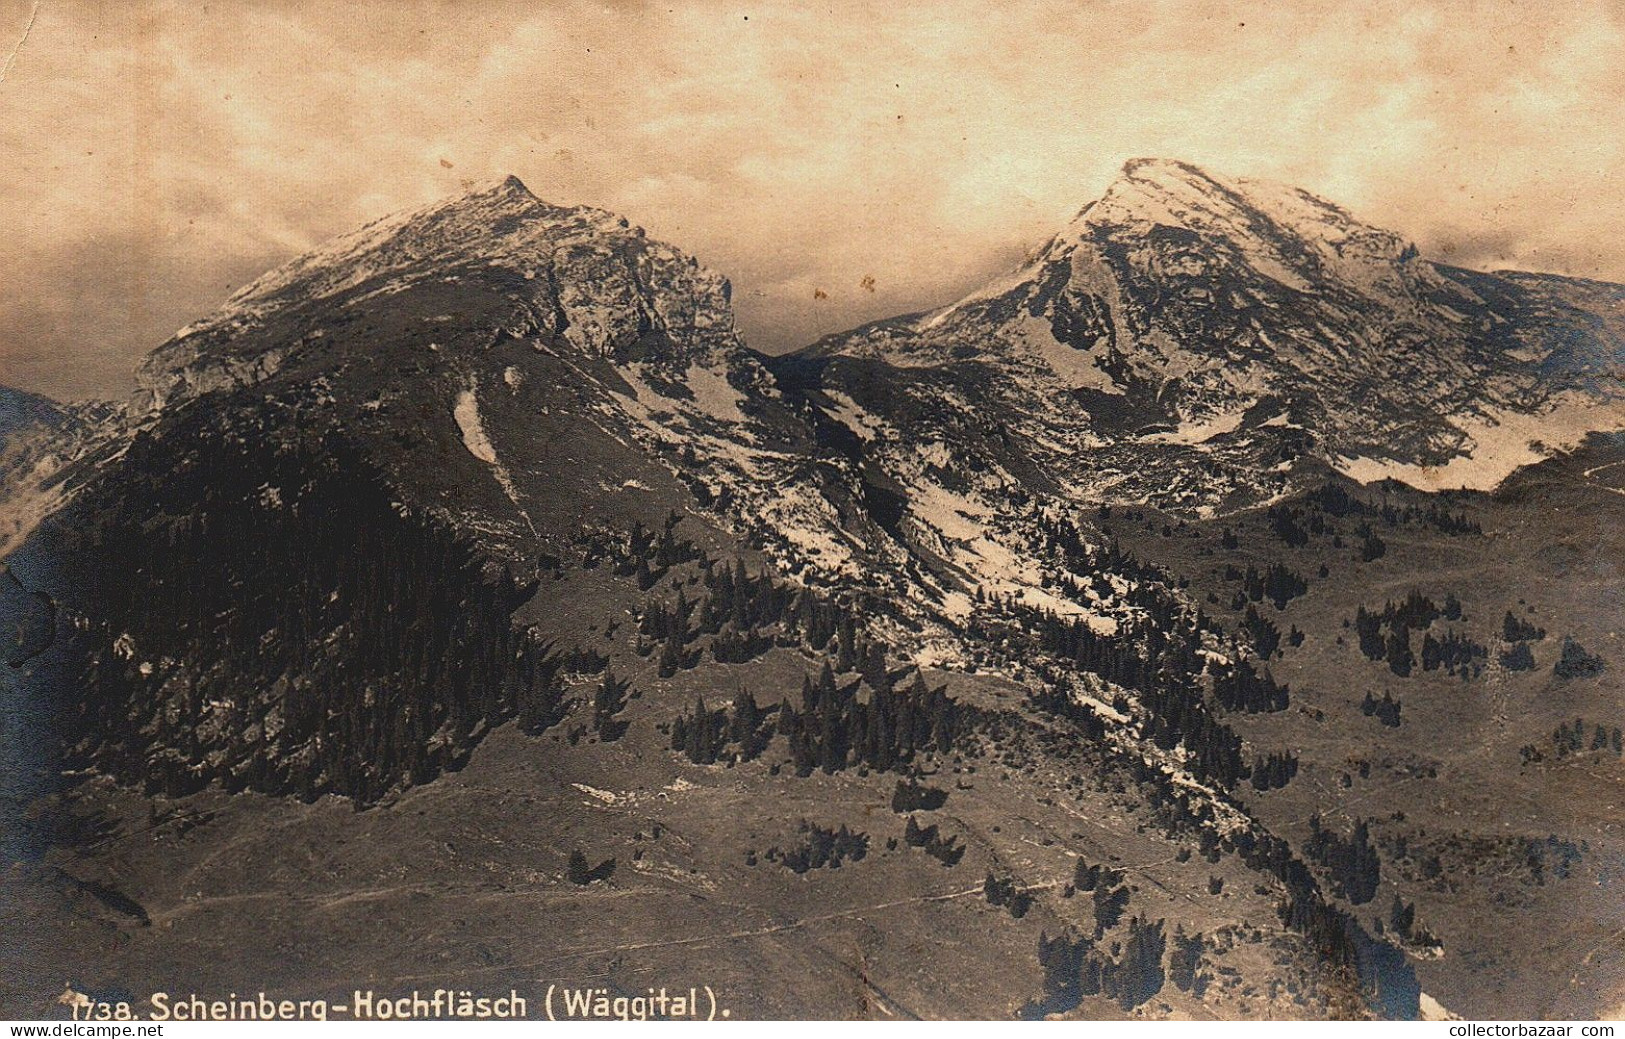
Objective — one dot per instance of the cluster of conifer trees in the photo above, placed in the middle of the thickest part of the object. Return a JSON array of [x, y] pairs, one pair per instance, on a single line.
[[820, 848], [1277, 582], [737, 612], [835, 726], [1240, 686], [1336, 501], [1555, 855], [1286, 523], [1109, 894], [945, 848], [1353, 863], [1579, 738], [1185, 963], [645, 554], [1296, 525], [1087, 877], [1057, 697], [608, 701], [835, 729], [1385, 710], [1402, 921], [1575, 662], [745, 615], [1415, 613], [1002, 891], [1273, 771], [1265, 636], [1455, 653], [1130, 972], [1159, 660], [1516, 629], [1518, 656], [1157, 657], [832, 730], [1331, 932], [1372, 547], [738, 734], [580, 872]]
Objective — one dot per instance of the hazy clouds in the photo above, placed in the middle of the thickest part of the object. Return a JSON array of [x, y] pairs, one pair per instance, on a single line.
[[153, 156]]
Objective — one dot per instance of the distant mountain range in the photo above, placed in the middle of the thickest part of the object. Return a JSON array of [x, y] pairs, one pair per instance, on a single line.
[[395, 493]]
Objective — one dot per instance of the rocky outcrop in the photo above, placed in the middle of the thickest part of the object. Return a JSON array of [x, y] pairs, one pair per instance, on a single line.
[[584, 277], [1188, 338]]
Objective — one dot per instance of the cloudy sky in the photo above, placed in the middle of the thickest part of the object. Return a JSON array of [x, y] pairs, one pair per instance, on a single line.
[[154, 156]]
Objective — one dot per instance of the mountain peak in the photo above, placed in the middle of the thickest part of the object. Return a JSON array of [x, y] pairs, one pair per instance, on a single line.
[[506, 189], [599, 282], [1159, 214], [497, 223], [1285, 232], [1182, 305], [1177, 193], [1155, 170], [513, 183], [1156, 182]]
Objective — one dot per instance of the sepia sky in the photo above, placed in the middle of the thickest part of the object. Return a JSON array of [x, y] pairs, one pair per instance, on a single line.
[[154, 156]]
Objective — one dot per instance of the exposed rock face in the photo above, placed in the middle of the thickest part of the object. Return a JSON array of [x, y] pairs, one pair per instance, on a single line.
[[1186, 335], [22, 412], [42, 443], [522, 370], [581, 276], [494, 342]]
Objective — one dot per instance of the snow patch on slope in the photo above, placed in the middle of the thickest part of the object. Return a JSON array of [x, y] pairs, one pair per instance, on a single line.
[[1008, 282], [953, 515], [466, 411], [851, 415], [714, 394], [34, 497], [1500, 444], [1193, 433], [467, 414], [1430, 1009], [963, 527], [1076, 368]]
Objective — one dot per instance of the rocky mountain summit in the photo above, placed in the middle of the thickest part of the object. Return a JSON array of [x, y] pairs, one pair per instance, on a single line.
[[577, 276], [1188, 337], [516, 365]]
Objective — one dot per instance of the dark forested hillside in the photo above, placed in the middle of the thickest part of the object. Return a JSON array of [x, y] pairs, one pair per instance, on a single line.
[[265, 615]]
